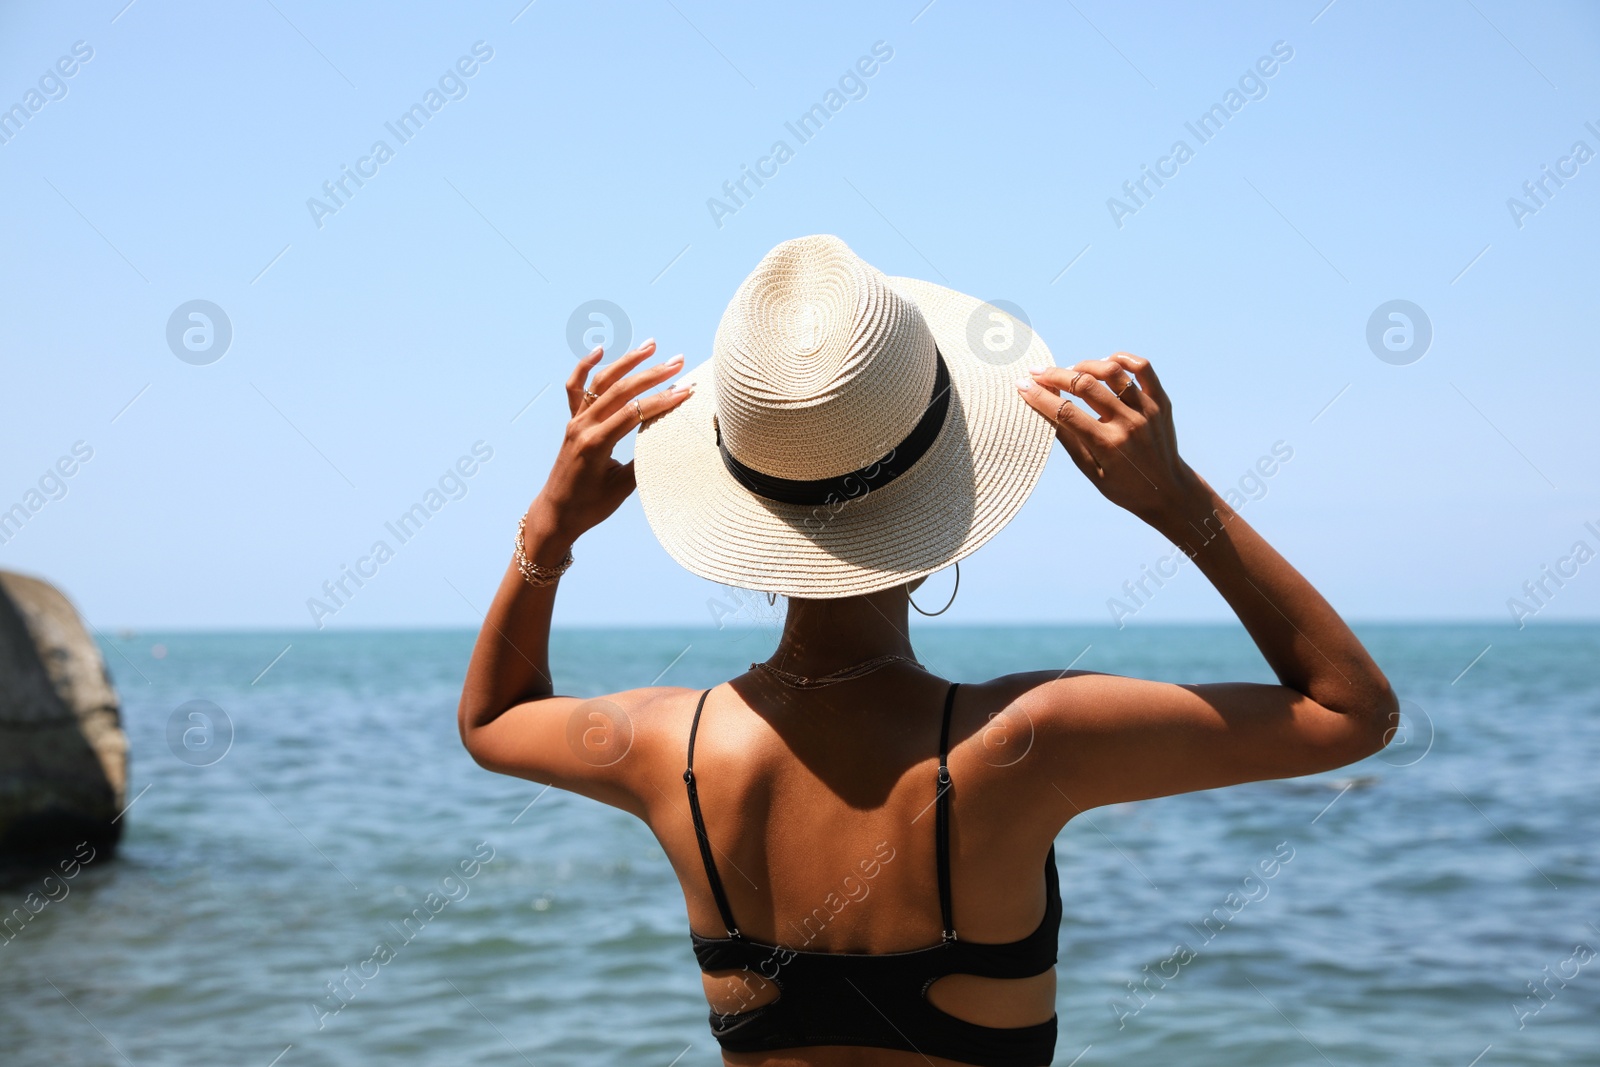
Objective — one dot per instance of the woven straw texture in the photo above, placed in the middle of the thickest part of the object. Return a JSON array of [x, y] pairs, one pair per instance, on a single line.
[[821, 365]]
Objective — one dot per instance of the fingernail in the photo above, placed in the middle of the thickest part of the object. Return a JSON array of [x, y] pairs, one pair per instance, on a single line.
[[683, 388], [595, 351], [1035, 370], [648, 342], [675, 360], [1024, 384]]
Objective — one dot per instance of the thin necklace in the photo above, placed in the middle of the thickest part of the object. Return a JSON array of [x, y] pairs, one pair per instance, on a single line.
[[800, 681]]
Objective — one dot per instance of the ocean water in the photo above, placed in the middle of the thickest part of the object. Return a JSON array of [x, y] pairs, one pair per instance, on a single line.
[[1416, 899]]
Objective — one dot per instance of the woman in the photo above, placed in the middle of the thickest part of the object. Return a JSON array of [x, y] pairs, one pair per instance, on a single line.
[[866, 850]]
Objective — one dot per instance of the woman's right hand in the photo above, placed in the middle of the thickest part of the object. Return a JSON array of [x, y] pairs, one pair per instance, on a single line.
[[1125, 445], [586, 483]]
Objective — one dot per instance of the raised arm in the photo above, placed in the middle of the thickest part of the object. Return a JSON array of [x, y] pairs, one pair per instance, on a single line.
[[1119, 739], [510, 719]]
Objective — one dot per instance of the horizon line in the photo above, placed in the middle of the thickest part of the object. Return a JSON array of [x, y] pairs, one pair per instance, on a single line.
[[308, 632]]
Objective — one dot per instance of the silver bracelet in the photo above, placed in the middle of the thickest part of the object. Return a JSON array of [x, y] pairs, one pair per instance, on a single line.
[[536, 575]]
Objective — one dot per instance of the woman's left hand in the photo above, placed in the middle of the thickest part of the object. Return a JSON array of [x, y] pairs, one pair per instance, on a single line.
[[586, 484], [1125, 444]]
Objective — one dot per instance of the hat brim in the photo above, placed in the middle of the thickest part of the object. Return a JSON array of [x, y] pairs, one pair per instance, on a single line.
[[963, 491]]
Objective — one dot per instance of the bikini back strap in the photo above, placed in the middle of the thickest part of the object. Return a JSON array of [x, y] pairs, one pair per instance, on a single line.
[[700, 828], [942, 817]]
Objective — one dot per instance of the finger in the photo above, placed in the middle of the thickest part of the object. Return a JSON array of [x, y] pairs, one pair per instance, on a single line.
[[1062, 377], [625, 475], [1149, 384], [1117, 380], [580, 374], [1104, 386], [640, 410], [1070, 432], [609, 376], [1083, 381], [1128, 391], [1074, 426], [618, 395]]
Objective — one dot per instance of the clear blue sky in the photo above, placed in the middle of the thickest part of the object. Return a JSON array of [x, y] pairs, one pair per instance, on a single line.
[[370, 352]]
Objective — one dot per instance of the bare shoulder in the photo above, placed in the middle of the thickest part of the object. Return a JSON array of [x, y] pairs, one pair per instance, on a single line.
[[1025, 734], [616, 748], [1083, 739]]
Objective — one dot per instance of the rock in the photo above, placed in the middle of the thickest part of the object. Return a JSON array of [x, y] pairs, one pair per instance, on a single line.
[[63, 755]]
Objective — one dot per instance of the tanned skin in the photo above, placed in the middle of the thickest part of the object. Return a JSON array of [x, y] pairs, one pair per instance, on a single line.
[[805, 791]]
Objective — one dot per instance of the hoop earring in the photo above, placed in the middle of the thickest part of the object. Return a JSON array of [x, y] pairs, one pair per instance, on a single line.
[[772, 599], [952, 600]]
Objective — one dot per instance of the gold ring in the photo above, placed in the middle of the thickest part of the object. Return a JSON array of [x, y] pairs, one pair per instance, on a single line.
[[1072, 386], [1125, 388], [1059, 410], [639, 411], [591, 397]]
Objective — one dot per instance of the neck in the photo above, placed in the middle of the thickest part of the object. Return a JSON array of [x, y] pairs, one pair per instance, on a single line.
[[820, 636]]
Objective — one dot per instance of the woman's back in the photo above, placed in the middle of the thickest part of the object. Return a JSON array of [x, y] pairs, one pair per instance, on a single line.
[[797, 788], [821, 813]]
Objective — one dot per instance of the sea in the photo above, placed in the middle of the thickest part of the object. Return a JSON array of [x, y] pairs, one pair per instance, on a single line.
[[297, 799]]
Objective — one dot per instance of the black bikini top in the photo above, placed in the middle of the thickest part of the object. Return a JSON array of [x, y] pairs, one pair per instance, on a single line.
[[878, 1000]]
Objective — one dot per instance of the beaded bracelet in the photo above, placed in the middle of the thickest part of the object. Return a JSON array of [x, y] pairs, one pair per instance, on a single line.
[[536, 575]]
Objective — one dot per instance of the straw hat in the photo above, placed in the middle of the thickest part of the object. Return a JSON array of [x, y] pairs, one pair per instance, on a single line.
[[849, 433]]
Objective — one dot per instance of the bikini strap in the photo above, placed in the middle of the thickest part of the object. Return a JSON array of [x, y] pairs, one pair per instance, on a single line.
[[942, 817], [700, 828]]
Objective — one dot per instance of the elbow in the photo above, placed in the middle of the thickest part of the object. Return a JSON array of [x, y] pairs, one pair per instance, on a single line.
[[468, 737], [1381, 715], [1369, 721], [469, 722], [472, 740], [474, 720]]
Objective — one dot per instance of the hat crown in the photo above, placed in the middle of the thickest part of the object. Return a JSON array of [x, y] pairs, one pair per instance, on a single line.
[[822, 366]]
